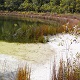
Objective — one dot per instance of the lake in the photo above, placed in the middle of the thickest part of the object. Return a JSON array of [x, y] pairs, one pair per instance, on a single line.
[[27, 30]]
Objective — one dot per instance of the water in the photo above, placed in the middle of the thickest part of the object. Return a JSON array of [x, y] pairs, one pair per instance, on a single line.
[[18, 30]]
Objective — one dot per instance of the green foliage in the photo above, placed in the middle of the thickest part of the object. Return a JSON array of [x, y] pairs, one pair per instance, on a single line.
[[45, 8], [68, 5], [27, 31], [41, 39], [58, 6], [26, 6], [12, 4], [77, 5]]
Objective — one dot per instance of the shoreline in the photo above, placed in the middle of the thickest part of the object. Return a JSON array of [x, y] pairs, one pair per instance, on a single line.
[[62, 18]]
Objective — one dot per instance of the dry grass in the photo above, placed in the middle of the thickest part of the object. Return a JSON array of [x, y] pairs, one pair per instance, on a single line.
[[23, 73], [67, 71]]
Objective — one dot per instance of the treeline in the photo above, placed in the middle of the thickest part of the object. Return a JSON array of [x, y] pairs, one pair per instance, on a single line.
[[57, 6]]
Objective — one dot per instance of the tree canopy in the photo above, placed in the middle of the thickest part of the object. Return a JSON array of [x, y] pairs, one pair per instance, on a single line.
[[58, 6]]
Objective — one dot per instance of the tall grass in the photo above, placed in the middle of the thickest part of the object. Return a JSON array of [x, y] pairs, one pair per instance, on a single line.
[[67, 71], [37, 33], [29, 31], [23, 73]]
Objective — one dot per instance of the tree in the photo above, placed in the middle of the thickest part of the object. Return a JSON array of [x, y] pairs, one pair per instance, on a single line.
[[77, 5], [2, 4], [73, 6], [68, 5], [57, 2], [12, 4], [45, 8], [61, 6], [52, 2], [26, 5]]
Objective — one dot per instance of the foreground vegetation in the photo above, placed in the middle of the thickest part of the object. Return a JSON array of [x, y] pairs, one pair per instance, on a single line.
[[66, 71], [57, 6], [23, 73]]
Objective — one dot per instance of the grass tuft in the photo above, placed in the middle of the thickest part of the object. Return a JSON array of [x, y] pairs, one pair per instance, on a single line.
[[67, 71], [23, 73]]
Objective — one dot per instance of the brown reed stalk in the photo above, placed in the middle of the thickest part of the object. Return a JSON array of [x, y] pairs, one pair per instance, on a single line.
[[66, 71], [60, 72], [54, 70], [23, 73]]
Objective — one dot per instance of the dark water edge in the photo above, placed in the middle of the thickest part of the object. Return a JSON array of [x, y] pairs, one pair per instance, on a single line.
[[15, 29]]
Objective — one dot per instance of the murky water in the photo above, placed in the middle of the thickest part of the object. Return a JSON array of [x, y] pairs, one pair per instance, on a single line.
[[17, 30]]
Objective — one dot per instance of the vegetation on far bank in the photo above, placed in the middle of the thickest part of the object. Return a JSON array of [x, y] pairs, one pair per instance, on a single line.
[[57, 6]]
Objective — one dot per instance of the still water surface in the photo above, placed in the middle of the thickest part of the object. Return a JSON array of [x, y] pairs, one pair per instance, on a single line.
[[13, 29]]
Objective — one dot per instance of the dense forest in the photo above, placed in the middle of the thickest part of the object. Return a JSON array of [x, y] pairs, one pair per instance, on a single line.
[[57, 6]]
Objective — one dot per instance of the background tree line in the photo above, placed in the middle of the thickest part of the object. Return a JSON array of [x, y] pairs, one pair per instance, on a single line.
[[58, 6]]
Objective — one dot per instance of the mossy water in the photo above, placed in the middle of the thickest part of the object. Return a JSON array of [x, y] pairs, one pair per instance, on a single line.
[[28, 30]]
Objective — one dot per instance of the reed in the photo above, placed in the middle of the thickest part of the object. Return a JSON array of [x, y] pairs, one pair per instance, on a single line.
[[67, 71], [23, 73]]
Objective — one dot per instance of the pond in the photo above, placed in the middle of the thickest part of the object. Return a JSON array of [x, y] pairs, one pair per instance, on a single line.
[[27, 30]]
